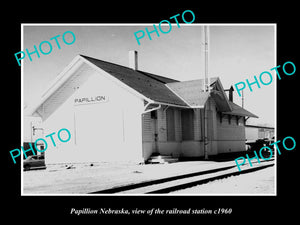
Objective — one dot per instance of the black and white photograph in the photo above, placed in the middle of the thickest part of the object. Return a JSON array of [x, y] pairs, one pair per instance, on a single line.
[[144, 112], [112, 113]]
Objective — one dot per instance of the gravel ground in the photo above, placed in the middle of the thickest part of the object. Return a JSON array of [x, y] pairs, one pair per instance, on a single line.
[[83, 178], [259, 182]]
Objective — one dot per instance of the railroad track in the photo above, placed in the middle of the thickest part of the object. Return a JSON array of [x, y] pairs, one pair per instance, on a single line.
[[174, 183]]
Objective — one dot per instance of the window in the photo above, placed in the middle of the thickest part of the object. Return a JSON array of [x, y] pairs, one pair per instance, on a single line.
[[153, 114], [241, 121], [220, 116], [187, 122], [170, 124]]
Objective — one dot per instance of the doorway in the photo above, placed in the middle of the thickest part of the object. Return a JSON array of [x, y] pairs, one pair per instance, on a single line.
[[154, 130], [187, 123]]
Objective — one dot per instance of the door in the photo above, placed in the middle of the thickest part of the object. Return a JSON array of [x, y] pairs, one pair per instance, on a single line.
[[154, 131], [187, 123]]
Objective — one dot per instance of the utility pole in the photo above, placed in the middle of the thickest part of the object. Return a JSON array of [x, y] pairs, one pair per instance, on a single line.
[[206, 80], [242, 98], [206, 89]]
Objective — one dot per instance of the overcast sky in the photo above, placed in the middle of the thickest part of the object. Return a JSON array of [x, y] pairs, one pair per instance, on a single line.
[[236, 53]]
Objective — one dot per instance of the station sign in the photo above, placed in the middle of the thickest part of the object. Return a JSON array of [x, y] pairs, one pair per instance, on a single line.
[[90, 100]]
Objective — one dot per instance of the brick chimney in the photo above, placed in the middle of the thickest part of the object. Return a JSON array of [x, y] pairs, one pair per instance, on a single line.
[[133, 59], [230, 95]]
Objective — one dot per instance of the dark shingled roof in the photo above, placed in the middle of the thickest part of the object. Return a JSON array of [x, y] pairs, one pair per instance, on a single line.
[[162, 90], [239, 111], [191, 91], [157, 88], [150, 85]]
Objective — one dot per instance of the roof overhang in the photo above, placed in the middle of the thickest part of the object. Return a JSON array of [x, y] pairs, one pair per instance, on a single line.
[[239, 111]]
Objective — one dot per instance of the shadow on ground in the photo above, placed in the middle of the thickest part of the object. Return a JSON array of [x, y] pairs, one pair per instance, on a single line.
[[222, 157]]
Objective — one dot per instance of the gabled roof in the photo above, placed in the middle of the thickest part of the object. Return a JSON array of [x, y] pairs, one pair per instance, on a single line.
[[150, 85], [193, 93]]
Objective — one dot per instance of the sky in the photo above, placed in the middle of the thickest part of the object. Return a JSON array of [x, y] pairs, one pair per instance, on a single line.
[[236, 52]]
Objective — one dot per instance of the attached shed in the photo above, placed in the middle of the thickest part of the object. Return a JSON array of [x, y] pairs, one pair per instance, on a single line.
[[117, 113]]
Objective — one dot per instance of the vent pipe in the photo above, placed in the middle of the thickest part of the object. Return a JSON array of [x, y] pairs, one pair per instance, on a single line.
[[206, 78], [230, 93], [207, 143]]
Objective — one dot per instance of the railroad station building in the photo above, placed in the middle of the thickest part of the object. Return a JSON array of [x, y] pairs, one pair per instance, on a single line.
[[118, 113]]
